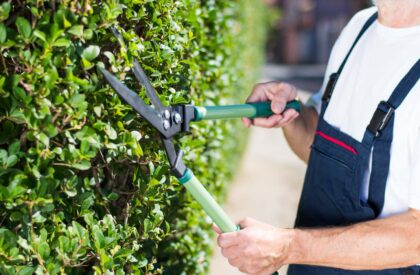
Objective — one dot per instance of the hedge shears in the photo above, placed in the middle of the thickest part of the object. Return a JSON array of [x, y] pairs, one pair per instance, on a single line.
[[172, 120]]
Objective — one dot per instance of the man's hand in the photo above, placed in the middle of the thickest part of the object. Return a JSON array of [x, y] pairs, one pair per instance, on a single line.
[[279, 94], [258, 248], [392, 242]]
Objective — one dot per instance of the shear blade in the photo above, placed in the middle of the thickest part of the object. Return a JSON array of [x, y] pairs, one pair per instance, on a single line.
[[150, 91], [134, 101]]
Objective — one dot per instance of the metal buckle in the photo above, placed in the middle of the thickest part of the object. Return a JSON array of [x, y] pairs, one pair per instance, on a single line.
[[380, 118]]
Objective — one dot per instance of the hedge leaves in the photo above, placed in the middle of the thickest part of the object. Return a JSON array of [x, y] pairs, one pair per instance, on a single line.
[[84, 184]]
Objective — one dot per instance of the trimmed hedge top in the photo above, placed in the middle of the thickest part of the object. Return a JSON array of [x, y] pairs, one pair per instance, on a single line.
[[84, 185]]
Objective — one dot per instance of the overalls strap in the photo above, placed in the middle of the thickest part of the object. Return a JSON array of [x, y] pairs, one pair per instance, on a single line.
[[385, 109], [379, 135], [334, 77]]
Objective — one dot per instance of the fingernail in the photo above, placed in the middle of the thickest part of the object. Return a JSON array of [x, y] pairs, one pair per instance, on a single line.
[[277, 107]]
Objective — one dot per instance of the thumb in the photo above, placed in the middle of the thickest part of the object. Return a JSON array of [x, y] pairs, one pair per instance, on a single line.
[[277, 106], [217, 229], [277, 103]]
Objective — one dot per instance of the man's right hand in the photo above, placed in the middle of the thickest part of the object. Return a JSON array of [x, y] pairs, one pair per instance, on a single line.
[[279, 93]]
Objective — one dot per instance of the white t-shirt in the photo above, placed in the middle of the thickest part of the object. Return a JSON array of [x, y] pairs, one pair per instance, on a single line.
[[379, 61]]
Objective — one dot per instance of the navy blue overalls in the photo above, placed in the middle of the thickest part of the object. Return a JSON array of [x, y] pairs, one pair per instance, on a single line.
[[337, 163]]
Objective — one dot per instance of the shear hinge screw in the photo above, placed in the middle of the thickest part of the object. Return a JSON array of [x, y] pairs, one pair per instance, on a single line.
[[177, 118], [166, 114], [166, 124]]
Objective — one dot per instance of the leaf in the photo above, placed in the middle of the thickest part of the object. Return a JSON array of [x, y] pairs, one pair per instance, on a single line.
[[111, 133], [39, 34], [43, 138], [88, 34], [76, 30], [113, 196], [3, 156], [98, 237], [38, 218], [77, 100], [3, 33], [11, 161], [83, 165], [136, 135], [27, 270], [5, 10], [61, 42], [14, 148], [24, 27], [91, 52], [44, 250]]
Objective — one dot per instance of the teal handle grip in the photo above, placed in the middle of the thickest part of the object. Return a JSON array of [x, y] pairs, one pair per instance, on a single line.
[[207, 202], [250, 110]]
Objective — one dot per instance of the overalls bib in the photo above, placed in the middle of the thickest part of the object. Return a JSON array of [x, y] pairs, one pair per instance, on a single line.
[[337, 163]]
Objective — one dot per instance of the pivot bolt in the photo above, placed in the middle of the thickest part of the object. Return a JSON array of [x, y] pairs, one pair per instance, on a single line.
[[166, 124], [177, 118], [166, 114]]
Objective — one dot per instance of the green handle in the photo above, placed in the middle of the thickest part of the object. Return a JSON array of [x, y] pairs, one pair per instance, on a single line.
[[250, 110], [207, 202]]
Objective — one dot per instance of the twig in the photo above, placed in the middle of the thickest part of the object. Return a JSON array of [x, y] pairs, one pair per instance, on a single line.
[[3, 61], [25, 86]]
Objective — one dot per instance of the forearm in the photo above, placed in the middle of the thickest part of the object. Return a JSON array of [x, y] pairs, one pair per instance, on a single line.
[[379, 244], [300, 133]]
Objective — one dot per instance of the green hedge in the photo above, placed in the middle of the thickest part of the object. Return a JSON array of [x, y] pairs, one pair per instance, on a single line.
[[84, 184]]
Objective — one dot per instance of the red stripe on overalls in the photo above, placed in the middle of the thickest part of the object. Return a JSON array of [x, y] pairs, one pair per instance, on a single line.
[[336, 141]]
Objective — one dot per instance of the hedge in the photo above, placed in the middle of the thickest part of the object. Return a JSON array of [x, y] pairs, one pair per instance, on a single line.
[[84, 183]]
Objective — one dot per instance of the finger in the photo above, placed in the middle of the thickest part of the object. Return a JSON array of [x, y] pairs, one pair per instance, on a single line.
[[258, 93], [236, 262], [267, 271], [268, 122], [231, 251], [227, 239], [247, 122], [244, 223], [277, 106], [288, 114], [288, 119], [217, 229]]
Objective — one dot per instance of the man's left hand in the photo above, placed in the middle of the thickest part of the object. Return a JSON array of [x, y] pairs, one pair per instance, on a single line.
[[258, 248]]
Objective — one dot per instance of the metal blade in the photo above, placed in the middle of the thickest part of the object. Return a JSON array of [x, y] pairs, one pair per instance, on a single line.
[[144, 80], [134, 101]]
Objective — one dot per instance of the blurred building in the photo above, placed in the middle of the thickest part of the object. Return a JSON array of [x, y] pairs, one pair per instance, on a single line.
[[308, 29]]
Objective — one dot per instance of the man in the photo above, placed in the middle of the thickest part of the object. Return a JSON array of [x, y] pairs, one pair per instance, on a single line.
[[359, 212]]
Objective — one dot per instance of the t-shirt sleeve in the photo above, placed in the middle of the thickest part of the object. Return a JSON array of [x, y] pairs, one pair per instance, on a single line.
[[414, 189]]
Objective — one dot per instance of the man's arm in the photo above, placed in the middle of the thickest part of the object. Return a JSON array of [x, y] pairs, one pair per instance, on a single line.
[[374, 245], [299, 129], [379, 244], [300, 132]]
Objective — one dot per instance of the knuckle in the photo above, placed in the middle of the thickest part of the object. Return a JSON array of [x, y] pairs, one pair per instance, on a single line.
[[242, 269], [220, 240], [224, 253], [246, 220], [258, 86], [254, 270], [233, 262]]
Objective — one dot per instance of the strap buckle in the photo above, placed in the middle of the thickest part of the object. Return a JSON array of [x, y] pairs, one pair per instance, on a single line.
[[380, 118]]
